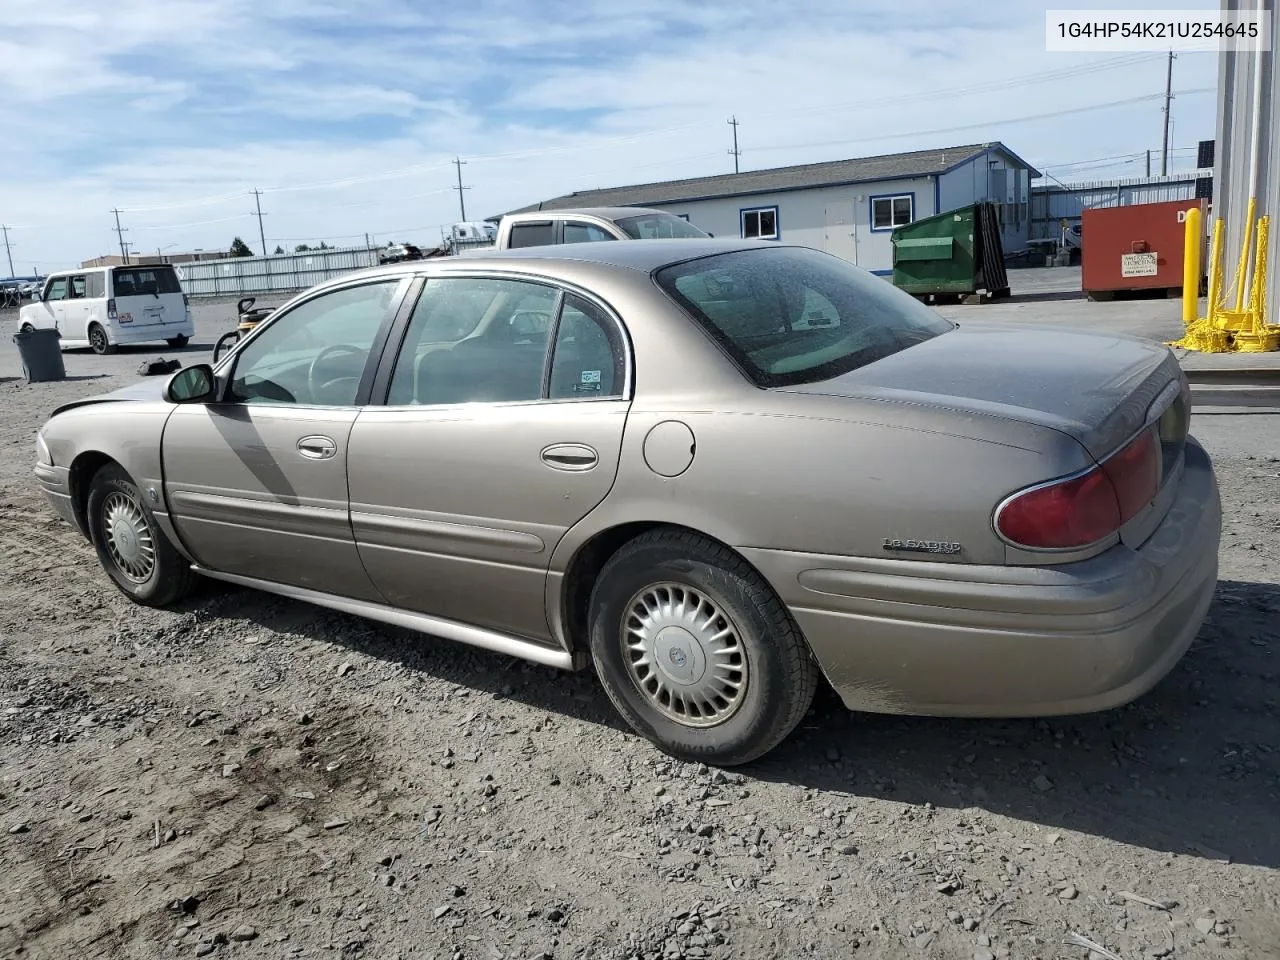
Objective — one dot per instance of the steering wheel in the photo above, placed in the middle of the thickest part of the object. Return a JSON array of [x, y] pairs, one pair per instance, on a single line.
[[317, 387]]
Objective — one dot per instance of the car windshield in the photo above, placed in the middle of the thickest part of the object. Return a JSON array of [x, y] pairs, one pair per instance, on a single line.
[[657, 226], [135, 281], [791, 315]]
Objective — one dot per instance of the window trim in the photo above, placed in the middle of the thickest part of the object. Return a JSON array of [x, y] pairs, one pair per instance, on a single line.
[[224, 370], [871, 210], [400, 331], [742, 222]]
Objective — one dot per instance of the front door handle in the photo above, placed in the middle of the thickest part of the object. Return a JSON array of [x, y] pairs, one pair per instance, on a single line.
[[317, 448], [570, 456]]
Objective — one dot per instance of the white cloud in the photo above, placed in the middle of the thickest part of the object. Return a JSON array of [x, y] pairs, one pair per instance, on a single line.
[[150, 107]]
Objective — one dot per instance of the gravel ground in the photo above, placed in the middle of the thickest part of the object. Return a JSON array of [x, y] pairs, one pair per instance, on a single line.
[[249, 776]]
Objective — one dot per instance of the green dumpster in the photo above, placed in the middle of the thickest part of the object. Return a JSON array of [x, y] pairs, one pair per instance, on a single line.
[[954, 254]]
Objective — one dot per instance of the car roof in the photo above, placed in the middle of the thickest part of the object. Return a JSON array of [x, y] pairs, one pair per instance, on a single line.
[[640, 255], [605, 213]]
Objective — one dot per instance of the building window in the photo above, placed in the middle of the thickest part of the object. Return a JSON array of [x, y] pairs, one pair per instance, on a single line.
[[760, 223], [890, 212]]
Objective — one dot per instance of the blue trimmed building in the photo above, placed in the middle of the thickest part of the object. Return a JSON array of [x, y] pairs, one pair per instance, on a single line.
[[846, 207]]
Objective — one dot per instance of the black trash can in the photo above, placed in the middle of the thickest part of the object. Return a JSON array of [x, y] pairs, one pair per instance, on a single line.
[[41, 354]]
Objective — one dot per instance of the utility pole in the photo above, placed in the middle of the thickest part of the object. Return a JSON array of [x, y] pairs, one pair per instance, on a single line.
[[257, 202], [1148, 163], [735, 152], [462, 203], [1168, 114], [7, 252], [120, 232]]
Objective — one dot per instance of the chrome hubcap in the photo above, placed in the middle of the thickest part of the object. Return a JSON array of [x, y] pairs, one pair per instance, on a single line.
[[128, 537], [683, 654], [97, 338]]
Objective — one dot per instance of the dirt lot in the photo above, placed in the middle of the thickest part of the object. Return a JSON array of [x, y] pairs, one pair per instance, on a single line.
[[248, 776]]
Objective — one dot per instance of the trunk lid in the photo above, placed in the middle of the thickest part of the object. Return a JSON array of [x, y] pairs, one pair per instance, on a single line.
[[1098, 389], [147, 295]]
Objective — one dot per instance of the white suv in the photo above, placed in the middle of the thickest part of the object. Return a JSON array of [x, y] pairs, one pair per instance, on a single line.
[[103, 307]]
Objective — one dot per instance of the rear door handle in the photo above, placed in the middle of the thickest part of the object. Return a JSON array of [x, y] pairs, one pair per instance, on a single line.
[[570, 456], [317, 448]]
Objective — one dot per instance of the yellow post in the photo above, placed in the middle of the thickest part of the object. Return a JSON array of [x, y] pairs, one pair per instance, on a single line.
[[1215, 269], [1246, 248], [1191, 268], [1259, 298]]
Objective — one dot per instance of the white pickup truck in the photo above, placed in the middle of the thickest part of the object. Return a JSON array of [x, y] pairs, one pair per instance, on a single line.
[[587, 224]]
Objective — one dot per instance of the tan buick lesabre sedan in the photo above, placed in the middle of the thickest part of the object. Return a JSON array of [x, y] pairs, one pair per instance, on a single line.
[[720, 471]]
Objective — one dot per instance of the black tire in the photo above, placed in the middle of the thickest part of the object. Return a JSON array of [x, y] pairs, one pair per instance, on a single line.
[[225, 343], [99, 342], [780, 674], [179, 341], [26, 328], [170, 577]]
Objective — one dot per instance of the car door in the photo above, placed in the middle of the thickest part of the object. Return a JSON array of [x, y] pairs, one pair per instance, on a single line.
[[54, 305], [502, 429], [256, 482], [75, 314]]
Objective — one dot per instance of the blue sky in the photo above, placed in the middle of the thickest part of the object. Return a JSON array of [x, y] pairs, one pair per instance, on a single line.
[[347, 114]]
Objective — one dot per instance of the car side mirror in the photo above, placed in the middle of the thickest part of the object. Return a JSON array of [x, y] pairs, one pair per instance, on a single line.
[[194, 384]]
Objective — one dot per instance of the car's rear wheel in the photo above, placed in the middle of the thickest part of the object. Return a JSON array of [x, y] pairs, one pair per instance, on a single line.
[[132, 549], [179, 341], [99, 342], [696, 651]]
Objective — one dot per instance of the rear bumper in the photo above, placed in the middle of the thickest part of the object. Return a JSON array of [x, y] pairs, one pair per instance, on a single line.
[[129, 333], [940, 639]]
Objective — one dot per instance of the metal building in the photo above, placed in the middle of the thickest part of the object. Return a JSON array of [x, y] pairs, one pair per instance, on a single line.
[[1247, 161], [847, 207], [1053, 203]]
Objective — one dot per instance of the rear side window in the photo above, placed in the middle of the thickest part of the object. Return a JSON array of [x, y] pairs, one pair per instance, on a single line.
[[588, 360], [575, 232], [140, 281], [795, 315], [97, 286], [532, 234]]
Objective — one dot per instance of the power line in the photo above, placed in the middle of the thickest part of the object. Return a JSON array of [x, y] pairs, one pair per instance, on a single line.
[[120, 232], [986, 124], [735, 152], [457, 162]]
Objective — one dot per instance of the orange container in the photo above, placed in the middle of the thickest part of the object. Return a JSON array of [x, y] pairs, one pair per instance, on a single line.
[[1138, 247]]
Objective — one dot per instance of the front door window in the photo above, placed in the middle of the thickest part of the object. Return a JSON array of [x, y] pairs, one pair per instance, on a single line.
[[317, 353], [57, 289]]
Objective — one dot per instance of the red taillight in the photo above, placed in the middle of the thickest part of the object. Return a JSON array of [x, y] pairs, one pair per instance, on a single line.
[[1088, 507], [111, 308], [1135, 474]]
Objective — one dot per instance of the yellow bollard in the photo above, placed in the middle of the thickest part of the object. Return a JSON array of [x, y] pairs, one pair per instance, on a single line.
[[1246, 248], [1191, 268], [1215, 268]]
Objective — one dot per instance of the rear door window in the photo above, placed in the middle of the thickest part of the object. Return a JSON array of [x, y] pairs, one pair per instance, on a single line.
[[578, 232], [79, 285], [143, 281]]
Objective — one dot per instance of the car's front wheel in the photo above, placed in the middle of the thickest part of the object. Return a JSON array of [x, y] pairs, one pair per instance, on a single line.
[[696, 651], [132, 549], [179, 341], [26, 328]]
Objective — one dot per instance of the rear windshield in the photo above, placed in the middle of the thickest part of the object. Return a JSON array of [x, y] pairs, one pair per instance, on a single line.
[[657, 226], [792, 315], [135, 281]]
